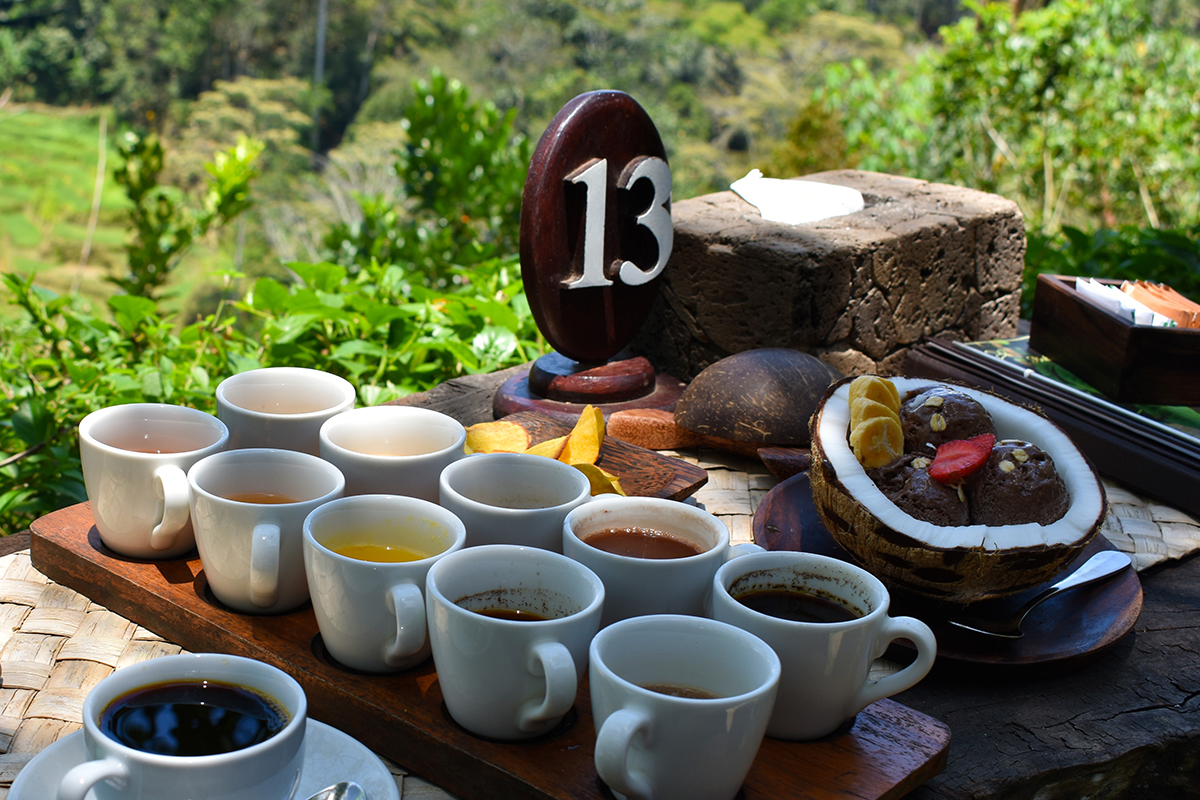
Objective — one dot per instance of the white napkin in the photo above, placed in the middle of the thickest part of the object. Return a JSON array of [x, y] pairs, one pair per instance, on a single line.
[[795, 202], [1113, 299]]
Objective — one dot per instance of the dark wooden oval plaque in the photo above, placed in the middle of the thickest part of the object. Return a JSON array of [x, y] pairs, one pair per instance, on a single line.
[[582, 303]]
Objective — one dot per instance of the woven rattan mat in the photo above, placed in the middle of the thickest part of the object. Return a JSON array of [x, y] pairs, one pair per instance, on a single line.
[[55, 644]]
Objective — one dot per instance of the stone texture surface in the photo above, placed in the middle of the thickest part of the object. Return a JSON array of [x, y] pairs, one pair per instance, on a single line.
[[922, 259]]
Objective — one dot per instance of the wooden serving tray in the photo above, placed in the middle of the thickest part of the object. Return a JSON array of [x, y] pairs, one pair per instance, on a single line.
[[888, 751]]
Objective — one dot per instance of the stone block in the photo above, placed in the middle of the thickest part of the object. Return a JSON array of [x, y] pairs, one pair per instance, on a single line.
[[921, 259]]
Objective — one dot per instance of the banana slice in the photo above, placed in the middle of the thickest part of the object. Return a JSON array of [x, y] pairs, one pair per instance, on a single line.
[[877, 441], [873, 387]]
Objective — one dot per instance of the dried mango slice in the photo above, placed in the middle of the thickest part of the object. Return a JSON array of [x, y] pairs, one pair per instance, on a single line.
[[551, 448], [877, 441], [585, 439], [865, 408], [501, 436], [602, 482], [873, 387]]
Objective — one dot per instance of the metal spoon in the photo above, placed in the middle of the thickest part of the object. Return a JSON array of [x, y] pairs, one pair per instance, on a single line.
[[343, 790], [1101, 565]]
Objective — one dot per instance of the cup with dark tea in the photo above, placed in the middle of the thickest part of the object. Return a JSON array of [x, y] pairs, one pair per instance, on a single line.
[[135, 458], [680, 705], [281, 407], [510, 628], [248, 511], [191, 725], [655, 556], [366, 558], [828, 621]]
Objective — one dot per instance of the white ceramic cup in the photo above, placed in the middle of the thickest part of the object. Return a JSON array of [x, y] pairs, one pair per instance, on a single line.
[[371, 613], [135, 459], [656, 746], [268, 770], [826, 665], [507, 679], [281, 407], [635, 586], [392, 449], [513, 498], [253, 552]]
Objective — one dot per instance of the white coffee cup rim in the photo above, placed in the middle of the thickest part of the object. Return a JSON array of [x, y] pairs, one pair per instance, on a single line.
[[525, 461], [617, 503], [354, 416], [729, 573], [98, 416], [252, 454], [308, 373], [453, 524]]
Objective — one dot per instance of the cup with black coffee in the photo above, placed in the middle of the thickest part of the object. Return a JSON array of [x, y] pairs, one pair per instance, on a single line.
[[655, 556], [680, 705], [828, 621], [192, 725], [510, 628]]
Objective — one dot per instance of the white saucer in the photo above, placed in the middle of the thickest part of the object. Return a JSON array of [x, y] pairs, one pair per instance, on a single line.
[[329, 756]]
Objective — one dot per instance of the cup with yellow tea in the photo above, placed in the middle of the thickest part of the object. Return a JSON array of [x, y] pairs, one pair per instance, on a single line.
[[366, 558]]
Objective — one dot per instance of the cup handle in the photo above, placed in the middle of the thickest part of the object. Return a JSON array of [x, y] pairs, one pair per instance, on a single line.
[[743, 549], [171, 486], [899, 628], [264, 565], [80, 779], [612, 751], [405, 601], [553, 660]]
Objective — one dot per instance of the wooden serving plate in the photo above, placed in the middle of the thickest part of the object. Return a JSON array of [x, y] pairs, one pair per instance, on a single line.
[[1060, 634], [887, 752]]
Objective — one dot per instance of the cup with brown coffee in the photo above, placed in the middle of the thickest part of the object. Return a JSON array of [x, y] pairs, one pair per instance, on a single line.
[[191, 725], [510, 628], [366, 558], [248, 510], [281, 407], [828, 621], [135, 458], [655, 556], [680, 705]]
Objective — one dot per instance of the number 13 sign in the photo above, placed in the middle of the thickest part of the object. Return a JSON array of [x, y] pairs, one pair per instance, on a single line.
[[596, 226]]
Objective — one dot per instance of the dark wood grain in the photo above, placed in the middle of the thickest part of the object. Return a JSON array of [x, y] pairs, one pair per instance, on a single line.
[[515, 396], [1061, 634], [1130, 363], [888, 751]]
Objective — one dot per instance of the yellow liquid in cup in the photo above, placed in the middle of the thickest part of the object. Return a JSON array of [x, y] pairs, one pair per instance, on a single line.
[[370, 551]]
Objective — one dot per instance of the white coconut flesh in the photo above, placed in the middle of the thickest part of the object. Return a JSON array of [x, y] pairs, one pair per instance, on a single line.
[[1011, 421]]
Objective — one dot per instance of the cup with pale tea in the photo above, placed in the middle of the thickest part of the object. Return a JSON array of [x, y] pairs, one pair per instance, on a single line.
[[366, 558], [513, 498], [135, 458], [828, 621], [510, 628], [281, 407], [655, 556], [192, 725], [680, 705], [248, 510], [392, 449]]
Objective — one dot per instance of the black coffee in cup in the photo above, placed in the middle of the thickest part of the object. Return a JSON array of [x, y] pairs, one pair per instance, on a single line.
[[796, 606], [192, 718]]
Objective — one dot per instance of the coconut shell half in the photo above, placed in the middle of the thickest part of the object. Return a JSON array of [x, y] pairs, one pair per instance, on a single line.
[[956, 564]]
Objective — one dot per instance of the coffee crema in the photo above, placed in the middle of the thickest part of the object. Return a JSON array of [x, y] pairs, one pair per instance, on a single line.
[[796, 606], [639, 542], [260, 498], [192, 718], [677, 690], [514, 614]]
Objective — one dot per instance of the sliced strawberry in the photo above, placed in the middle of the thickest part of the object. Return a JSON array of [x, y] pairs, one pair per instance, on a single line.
[[960, 459]]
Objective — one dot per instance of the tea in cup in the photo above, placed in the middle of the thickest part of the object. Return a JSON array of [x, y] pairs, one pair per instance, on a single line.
[[150, 730], [281, 407], [366, 558], [248, 510], [680, 705], [135, 458], [513, 498], [655, 556], [392, 449], [828, 621], [510, 628]]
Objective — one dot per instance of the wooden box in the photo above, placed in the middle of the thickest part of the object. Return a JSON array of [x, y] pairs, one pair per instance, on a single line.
[[1128, 363]]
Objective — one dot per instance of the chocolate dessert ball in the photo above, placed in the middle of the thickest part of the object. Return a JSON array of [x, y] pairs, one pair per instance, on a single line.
[[1018, 484], [941, 414], [906, 482]]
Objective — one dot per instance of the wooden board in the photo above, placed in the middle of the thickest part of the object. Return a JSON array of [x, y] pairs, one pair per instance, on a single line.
[[1060, 634], [642, 472], [889, 750]]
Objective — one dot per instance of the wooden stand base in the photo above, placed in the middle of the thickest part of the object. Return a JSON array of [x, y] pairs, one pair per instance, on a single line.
[[887, 752]]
